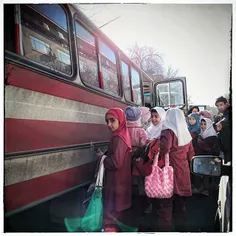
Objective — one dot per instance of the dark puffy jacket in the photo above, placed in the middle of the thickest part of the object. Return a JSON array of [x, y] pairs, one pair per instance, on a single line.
[[225, 135], [207, 146]]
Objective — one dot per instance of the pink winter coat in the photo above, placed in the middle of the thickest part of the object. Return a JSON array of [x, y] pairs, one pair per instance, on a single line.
[[137, 134]]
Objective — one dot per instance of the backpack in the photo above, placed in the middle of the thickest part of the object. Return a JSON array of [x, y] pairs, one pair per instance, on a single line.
[[141, 163], [141, 152]]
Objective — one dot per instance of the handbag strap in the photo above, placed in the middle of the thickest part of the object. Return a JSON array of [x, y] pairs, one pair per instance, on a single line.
[[155, 161], [167, 159], [99, 181]]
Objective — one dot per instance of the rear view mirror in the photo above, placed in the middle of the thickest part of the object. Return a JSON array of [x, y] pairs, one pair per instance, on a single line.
[[206, 165]]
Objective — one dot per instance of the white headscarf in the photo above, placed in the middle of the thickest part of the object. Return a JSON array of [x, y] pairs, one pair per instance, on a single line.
[[210, 131], [154, 131], [175, 121]]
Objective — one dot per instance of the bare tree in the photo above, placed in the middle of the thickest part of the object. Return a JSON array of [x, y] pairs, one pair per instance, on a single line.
[[171, 72], [190, 100], [148, 59]]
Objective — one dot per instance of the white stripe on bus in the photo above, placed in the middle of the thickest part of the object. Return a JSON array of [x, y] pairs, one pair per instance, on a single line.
[[26, 168], [26, 104]]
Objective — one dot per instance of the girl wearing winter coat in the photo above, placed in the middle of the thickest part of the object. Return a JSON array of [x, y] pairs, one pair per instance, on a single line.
[[137, 133], [138, 138], [175, 140], [158, 115], [157, 119], [117, 163], [194, 124], [207, 144], [194, 127], [145, 117], [153, 133]]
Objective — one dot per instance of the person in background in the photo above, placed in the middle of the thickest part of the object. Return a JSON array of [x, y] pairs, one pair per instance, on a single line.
[[137, 133], [157, 118], [207, 144], [207, 140], [117, 163], [153, 133], [217, 118], [193, 109], [194, 127], [225, 128], [145, 117], [223, 106], [225, 141], [175, 140], [205, 114], [138, 139]]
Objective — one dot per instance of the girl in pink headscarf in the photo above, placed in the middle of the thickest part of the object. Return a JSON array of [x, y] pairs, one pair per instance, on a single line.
[[117, 163]]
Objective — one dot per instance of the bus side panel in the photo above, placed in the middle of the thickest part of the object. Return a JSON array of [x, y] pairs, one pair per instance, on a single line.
[[40, 113]]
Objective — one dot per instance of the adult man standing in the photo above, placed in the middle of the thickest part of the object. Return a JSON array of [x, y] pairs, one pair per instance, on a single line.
[[225, 128], [225, 138]]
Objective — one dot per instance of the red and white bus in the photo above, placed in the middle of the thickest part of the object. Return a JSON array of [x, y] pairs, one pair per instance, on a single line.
[[61, 76]]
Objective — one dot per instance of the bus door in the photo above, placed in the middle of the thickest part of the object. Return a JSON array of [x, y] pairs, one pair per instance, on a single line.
[[171, 93], [148, 91]]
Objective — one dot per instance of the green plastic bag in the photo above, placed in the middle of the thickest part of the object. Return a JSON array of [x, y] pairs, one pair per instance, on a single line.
[[125, 228], [92, 221], [93, 218], [73, 224]]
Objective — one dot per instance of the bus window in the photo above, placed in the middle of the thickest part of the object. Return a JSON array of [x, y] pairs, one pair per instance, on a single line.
[[163, 94], [45, 36], [126, 81], [135, 80], [171, 94], [87, 56], [108, 69], [176, 89], [9, 28]]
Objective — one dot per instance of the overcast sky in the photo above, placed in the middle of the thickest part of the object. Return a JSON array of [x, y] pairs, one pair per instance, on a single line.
[[193, 38]]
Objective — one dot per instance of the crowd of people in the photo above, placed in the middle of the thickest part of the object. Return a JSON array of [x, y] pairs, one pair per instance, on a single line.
[[166, 132]]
